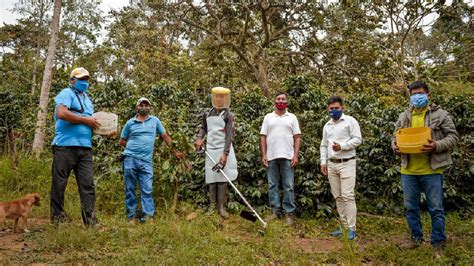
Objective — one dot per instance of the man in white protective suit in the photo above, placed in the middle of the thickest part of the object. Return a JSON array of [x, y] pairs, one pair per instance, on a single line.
[[219, 124]]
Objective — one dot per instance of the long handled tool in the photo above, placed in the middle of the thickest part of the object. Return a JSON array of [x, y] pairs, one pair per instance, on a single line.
[[245, 214]]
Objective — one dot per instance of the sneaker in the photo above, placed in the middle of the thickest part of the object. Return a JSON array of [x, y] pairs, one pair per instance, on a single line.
[[131, 221], [289, 219], [352, 234], [336, 233]]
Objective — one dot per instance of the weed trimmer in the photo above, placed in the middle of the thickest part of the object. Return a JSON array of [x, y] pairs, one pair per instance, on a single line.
[[251, 216]]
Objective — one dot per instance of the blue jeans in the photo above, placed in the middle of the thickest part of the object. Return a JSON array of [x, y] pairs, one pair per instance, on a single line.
[[138, 170], [280, 171], [432, 186]]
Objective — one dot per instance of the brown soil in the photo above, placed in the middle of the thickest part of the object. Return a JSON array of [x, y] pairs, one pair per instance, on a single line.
[[12, 243], [313, 245]]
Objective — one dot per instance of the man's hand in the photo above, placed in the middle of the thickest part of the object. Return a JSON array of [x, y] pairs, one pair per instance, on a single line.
[[218, 167], [91, 122], [324, 169], [294, 161], [397, 150], [264, 161], [429, 147], [223, 159], [123, 142], [112, 135], [198, 144], [336, 146]]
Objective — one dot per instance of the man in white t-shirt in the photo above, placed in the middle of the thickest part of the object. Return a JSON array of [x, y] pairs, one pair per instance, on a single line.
[[280, 143], [341, 136]]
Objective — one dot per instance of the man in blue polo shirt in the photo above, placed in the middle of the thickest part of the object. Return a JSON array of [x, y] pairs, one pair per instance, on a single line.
[[72, 147], [138, 137]]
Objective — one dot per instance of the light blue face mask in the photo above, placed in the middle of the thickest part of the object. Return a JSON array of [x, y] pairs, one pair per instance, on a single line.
[[419, 100], [81, 85]]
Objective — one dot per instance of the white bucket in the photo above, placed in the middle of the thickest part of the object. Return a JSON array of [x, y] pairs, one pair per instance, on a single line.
[[108, 123]]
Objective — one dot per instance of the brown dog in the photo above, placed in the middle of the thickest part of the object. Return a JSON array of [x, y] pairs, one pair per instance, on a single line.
[[18, 209]]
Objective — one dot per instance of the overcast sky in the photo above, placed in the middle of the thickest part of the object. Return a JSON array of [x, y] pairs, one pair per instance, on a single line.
[[6, 16]]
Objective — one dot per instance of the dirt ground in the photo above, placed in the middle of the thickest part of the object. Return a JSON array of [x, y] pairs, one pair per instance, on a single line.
[[12, 243]]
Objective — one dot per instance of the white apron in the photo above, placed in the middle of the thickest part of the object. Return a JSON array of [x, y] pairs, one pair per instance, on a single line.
[[215, 147]]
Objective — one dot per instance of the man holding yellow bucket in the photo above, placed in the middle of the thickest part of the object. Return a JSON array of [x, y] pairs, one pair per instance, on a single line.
[[423, 163]]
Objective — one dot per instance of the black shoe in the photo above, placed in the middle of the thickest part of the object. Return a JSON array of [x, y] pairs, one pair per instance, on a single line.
[[439, 246], [91, 222], [438, 249], [60, 219]]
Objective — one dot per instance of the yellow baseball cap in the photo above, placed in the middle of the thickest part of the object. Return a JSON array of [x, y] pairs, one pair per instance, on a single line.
[[79, 72], [220, 90]]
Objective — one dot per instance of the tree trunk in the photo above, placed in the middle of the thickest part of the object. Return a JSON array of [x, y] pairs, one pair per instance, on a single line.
[[38, 142], [42, 10], [35, 69], [262, 79]]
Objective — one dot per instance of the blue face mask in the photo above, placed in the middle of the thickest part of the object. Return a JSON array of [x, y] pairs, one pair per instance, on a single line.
[[81, 85], [335, 114], [419, 100]]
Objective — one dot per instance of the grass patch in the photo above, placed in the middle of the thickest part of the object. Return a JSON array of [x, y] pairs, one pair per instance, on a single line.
[[171, 239]]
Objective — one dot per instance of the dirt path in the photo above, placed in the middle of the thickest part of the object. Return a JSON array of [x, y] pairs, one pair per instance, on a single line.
[[13, 243]]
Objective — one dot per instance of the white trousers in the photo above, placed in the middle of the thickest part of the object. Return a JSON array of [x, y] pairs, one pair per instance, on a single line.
[[342, 178]]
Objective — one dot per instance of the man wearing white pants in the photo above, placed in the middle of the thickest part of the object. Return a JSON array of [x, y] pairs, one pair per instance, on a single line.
[[341, 136]]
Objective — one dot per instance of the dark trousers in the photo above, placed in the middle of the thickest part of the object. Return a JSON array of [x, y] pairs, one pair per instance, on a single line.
[[65, 160]]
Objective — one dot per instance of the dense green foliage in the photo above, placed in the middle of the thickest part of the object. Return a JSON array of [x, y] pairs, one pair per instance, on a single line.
[[173, 54], [378, 182]]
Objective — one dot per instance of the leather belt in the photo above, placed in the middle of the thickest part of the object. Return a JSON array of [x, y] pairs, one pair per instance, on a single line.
[[335, 160]]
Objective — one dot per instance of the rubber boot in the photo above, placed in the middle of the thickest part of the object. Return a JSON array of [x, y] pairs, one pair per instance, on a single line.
[[212, 198], [222, 199]]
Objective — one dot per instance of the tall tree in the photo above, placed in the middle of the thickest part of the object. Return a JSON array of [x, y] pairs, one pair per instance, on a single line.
[[406, 19], [38, 142], [453, 34], [81, 24], [251, 30], [37, 12]]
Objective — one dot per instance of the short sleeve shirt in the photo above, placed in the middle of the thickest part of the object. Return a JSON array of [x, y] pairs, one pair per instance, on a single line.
[[141, 137], [70, 134], [279, 131]]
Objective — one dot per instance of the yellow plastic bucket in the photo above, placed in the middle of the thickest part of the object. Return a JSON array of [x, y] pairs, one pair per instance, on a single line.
[[410, 140]]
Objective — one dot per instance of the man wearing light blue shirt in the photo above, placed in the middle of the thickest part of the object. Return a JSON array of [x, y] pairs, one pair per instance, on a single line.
[[72, 147], [138, 137], [341, 136]]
